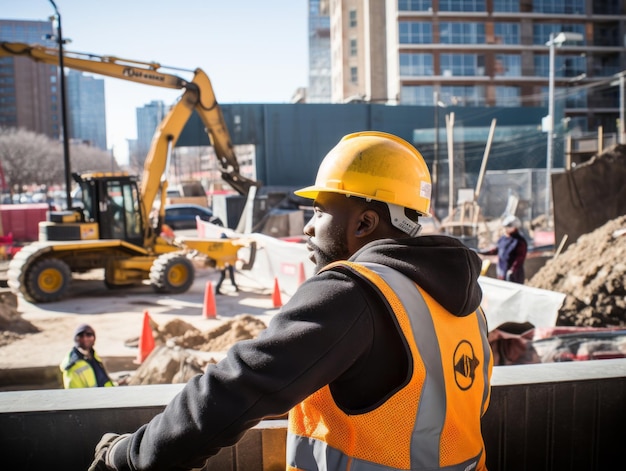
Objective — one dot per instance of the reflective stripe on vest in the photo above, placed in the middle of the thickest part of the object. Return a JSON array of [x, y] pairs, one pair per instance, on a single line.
[[314, 454], [85, 373]]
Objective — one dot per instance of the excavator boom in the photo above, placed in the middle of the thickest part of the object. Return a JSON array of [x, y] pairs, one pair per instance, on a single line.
[[126, 69], [198, 96]]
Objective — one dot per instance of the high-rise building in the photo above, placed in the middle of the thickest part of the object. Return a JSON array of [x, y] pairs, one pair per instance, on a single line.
[[319, 87], [148, 119], [482, 53], [30, 92], [359, 51], [87, 116], [30, 95]]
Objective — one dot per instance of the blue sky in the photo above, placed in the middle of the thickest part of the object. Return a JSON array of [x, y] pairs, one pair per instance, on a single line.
[[254, 51]]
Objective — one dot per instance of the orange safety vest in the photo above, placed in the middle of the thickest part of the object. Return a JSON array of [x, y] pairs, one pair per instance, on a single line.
[[433, 422]]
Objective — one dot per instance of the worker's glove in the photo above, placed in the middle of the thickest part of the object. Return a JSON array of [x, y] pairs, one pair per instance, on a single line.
[[101, 461], [509, 275]]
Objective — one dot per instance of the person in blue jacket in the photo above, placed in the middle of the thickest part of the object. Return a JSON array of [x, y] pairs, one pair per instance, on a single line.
[[511, 250]]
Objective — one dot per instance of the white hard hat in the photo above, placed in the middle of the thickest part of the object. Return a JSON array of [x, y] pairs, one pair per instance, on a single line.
[[511, 221]]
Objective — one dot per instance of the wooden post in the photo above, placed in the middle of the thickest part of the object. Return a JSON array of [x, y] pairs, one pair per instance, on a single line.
[[568, 152], [483, 165]]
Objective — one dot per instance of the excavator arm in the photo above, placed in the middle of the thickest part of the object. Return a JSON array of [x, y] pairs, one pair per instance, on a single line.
[[41, 273], [198, 96], [111, 66]]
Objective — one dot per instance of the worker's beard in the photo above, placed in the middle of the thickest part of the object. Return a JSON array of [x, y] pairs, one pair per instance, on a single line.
[[336, 249]]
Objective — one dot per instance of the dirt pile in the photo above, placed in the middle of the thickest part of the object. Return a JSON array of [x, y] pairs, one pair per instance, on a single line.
[[183, 351], [12, 326], [219, 339], [592, 275]]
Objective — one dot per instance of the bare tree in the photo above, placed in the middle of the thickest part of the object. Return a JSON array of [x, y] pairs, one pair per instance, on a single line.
[[29, 158], [91, 159], [24, 156]]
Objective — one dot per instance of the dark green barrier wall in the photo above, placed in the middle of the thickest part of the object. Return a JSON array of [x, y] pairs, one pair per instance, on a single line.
[[291, 139], [554, 416]]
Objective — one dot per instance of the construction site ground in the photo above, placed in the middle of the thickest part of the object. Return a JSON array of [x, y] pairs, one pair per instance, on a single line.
[[591, 273], [37, 337]]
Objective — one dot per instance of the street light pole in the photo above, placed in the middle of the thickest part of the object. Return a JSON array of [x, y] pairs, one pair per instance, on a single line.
[[550, 143], [622, 135], [435, 175], [621, 131], [66, 140], [555, 40], [435, 172]]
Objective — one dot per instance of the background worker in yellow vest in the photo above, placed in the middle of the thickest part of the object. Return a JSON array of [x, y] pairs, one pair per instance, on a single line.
[[381, 358], [82, 367]]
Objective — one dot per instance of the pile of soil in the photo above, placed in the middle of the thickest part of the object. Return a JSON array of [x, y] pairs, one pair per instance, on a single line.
[[591, 273], [219, 339], [12, 325], [179, 347]]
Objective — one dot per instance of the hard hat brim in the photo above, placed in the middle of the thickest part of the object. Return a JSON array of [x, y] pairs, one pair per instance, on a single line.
[[311, 192]]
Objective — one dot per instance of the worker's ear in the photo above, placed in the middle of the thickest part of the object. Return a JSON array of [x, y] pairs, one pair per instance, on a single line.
[[367, 223]]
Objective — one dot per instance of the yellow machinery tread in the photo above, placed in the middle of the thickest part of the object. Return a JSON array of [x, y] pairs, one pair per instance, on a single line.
[[20, 264]]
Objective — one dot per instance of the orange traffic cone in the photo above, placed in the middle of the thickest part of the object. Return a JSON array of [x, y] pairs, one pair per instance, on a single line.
[[209, 311], [301, 275], [146, 339], [276, 299]]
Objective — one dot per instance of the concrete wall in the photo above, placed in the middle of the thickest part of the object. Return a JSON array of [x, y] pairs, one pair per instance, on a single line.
[[553, 416]]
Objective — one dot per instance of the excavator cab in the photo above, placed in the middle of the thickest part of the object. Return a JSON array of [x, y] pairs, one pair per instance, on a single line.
[[112, 202]]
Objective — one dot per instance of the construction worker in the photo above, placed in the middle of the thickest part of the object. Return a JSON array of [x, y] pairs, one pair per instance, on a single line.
[[82, 367], [381, 358], [511, 249], [231, 273]]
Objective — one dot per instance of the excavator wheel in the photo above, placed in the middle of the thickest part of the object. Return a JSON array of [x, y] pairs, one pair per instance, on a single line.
[[48, 280], [172, 273]]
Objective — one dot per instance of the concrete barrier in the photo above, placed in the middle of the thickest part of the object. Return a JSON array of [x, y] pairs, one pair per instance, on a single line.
[[550, 416]]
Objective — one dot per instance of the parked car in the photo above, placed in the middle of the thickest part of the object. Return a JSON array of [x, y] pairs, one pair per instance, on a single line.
[[183, 216]]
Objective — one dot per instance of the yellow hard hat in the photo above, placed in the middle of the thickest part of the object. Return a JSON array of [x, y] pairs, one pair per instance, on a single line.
[[375, 166]]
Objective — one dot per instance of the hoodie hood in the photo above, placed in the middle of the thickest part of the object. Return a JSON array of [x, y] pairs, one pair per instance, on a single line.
[[441, 265]]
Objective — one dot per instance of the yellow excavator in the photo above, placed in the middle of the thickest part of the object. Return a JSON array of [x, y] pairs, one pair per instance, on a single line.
[[119, 228]]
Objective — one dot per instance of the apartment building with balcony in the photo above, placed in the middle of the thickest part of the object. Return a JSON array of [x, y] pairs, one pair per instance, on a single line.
[[481, 53]]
